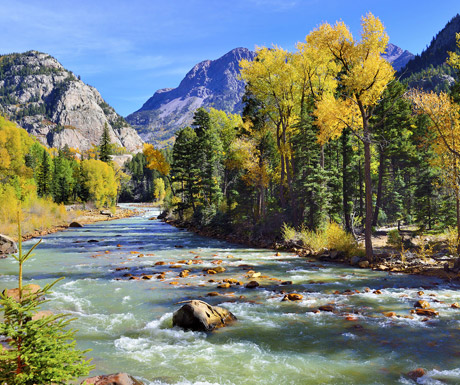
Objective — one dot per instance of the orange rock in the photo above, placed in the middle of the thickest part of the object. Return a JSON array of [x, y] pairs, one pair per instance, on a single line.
[[147, 276], [367, 290], [278, 254], [27, 290], [161, 276], [181, 261], [119, 245], [217, 262], [159, 263], [219, 269], [184, 273], [140, 255], [455, 305], [175, 266], [224, 285], [293, 297], [417, 373], [174, 283], [134, 252], [107, 251], [230, 280], [390, 314], [212, 294], [326, 308], [420, 292], [422, 304], [426, 312], [377, 292], [210, 271]]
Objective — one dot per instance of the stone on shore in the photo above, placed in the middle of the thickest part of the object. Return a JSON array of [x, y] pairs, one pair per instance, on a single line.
[[7, 246], [200, 316], [75, 224], [113, 379]]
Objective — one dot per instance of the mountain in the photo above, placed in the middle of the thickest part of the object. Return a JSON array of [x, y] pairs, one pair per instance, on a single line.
[[211, 83], [428, 70], [397, 57], [38, 93]]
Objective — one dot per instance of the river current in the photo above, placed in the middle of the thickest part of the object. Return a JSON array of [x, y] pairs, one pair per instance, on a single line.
[[128, 323]]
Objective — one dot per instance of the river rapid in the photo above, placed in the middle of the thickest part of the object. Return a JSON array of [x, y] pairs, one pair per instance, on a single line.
[[128, 323]]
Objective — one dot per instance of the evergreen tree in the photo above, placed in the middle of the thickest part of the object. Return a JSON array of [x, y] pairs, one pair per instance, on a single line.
[[105, 147], [45, 175]]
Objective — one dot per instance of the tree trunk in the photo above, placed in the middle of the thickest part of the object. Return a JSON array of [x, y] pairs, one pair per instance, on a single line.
[[345, 182], [378, 202], [368, 193]]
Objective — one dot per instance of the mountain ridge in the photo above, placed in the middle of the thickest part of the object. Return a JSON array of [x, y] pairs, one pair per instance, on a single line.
[[55, 106]]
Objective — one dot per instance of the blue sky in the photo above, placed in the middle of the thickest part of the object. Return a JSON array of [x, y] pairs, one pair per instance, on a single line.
[[129, 49]]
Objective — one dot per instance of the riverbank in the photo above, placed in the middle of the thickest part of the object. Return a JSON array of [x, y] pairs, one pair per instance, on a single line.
[[82, 217], [410, 261]]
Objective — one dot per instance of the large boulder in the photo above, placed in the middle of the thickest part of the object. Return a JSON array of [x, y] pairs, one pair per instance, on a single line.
[[200, 316], [113, 379], [7, 246]]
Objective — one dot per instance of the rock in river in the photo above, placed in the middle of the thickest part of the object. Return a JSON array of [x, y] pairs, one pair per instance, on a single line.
[[113, 379], [7, 246], [200, 316]]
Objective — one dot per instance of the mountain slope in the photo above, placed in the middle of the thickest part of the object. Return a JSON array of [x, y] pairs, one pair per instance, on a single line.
[[211, 83], [397, 57], [38, 93]]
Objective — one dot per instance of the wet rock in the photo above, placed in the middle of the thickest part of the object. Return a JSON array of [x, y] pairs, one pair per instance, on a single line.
[[455, 305], [390, 314], [422, 304], [420, 292], [212, 294], [178, 246], [231, 280], [93, 241], [417, 373], [219, 269], [113, 379], [152, 218], [211, 271], [161, 276], [7, 246], [286, 283], [200, 316], [378, 292], [254, 275], [160, 263], [27, 290], [75, 224], [252, 285], [293, 297], [363, 264], [355, 260], [184, 273], [147, 277], [329, 308], [224, 285], [426, 312]]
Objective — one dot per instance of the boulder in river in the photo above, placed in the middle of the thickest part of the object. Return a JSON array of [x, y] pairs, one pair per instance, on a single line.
[[7, 246], [200, 316], [75, 224], [113, 379]]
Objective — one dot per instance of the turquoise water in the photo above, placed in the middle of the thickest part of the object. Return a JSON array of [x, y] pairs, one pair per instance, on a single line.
[[127, 323]]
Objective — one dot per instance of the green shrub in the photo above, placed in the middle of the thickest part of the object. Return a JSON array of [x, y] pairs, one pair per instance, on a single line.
[[394, 239]]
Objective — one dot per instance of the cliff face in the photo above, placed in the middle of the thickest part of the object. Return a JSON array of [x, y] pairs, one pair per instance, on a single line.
[[47, 100], [211, 83]]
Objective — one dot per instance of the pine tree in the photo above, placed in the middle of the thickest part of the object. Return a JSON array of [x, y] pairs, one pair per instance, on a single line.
[[105, 147], [42, 348]]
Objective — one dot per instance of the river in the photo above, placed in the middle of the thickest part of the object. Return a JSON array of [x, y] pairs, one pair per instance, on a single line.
[[128, 323]]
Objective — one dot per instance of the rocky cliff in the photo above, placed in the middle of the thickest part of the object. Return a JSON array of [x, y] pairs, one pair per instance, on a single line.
[[52, 104], [211, 83]]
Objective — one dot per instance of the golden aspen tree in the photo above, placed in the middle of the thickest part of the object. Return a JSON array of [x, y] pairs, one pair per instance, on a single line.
[[444, 121], [271, 79], [362, 76], [156, 160]]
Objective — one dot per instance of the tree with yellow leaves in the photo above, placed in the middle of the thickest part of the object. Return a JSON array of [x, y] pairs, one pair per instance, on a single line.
[[362, 76], [156, 160], [444, 121], [271, 79]]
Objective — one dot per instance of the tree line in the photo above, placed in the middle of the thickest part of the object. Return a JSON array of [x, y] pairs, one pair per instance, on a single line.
[[327, 134]]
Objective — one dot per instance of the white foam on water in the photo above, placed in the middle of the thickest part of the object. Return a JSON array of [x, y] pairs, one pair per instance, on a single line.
[[435, 377]]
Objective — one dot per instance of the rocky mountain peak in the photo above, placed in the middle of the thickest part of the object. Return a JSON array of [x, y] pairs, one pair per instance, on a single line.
[[397, 56], [210, 83], [54, 105]]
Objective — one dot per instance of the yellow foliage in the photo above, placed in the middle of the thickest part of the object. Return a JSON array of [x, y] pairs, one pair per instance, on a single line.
[[155, 159], [99, 178], [364, 74]]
